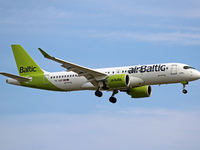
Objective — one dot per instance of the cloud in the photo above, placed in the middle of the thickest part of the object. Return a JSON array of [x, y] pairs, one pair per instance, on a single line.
[[156, 8], [48, 15], [103, 10], [184, 38], [101, 15], [121, 129]]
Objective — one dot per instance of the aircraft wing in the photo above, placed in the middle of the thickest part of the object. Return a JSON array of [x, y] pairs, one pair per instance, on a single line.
[[19, 78], [90, 74]]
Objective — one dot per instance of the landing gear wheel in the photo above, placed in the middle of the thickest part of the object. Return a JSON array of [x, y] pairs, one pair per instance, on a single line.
[[184, 91], [98, 93], [184, 85], [113, 100]]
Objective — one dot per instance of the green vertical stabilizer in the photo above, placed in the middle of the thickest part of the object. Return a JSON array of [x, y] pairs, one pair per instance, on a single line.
[[25, 64]]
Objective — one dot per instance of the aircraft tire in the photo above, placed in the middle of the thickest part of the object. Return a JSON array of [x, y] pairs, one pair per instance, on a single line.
[[185, 91], [113, 100], [98, 93]]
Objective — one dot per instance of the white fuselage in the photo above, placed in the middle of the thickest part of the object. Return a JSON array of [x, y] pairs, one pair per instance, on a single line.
[[141, 75]]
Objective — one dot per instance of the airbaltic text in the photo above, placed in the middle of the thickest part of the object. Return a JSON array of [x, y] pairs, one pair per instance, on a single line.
[[151, 68], [27, 69], [116, 79]]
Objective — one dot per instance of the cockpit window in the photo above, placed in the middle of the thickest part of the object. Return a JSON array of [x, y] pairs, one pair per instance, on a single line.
[[188, 67]]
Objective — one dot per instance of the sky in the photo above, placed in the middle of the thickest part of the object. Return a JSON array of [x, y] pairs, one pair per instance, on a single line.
[[100, 34]]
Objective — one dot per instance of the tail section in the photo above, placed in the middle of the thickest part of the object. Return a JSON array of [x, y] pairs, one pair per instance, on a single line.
[[31, 75], [25, 64]]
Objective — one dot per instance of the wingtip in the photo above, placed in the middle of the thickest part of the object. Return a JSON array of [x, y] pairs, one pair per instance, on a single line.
[[44, 53]]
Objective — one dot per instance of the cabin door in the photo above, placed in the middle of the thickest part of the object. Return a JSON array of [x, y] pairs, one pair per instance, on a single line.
[[173, 69]]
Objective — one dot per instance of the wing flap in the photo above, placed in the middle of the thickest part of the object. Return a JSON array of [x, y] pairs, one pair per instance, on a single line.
[[19, 78]]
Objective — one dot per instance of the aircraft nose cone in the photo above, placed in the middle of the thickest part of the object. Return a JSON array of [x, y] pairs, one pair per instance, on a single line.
[[196, 75]]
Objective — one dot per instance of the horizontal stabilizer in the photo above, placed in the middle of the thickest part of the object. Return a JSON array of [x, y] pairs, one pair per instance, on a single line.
[[19, 78]]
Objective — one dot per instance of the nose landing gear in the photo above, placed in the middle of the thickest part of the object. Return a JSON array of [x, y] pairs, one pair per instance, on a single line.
[[184, 85], [184, 91]]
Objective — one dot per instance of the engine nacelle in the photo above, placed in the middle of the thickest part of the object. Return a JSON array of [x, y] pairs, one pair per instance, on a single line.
[[140, 92], [118, 81], [135, 81]]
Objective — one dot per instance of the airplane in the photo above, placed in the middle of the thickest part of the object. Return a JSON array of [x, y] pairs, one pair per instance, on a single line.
[[136, 81]]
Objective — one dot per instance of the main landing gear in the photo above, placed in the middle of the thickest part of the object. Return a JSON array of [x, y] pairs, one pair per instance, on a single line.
[[98, 93], [184, 85], [112, 99]]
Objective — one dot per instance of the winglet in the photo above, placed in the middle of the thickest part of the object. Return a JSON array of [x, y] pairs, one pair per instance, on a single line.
[[44, 53]]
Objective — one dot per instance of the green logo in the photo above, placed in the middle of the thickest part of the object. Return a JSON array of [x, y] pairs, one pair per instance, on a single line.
[[27, 69]]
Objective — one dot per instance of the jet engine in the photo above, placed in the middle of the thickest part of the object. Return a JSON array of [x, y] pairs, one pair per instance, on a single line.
[[118, 81], [140, 92]]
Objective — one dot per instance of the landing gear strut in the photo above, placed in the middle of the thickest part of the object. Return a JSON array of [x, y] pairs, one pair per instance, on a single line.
[[184, 85], [112, 99]]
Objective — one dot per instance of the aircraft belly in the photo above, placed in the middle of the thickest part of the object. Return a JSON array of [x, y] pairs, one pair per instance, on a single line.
[[69, 85], [164, 79], [88, 86]]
